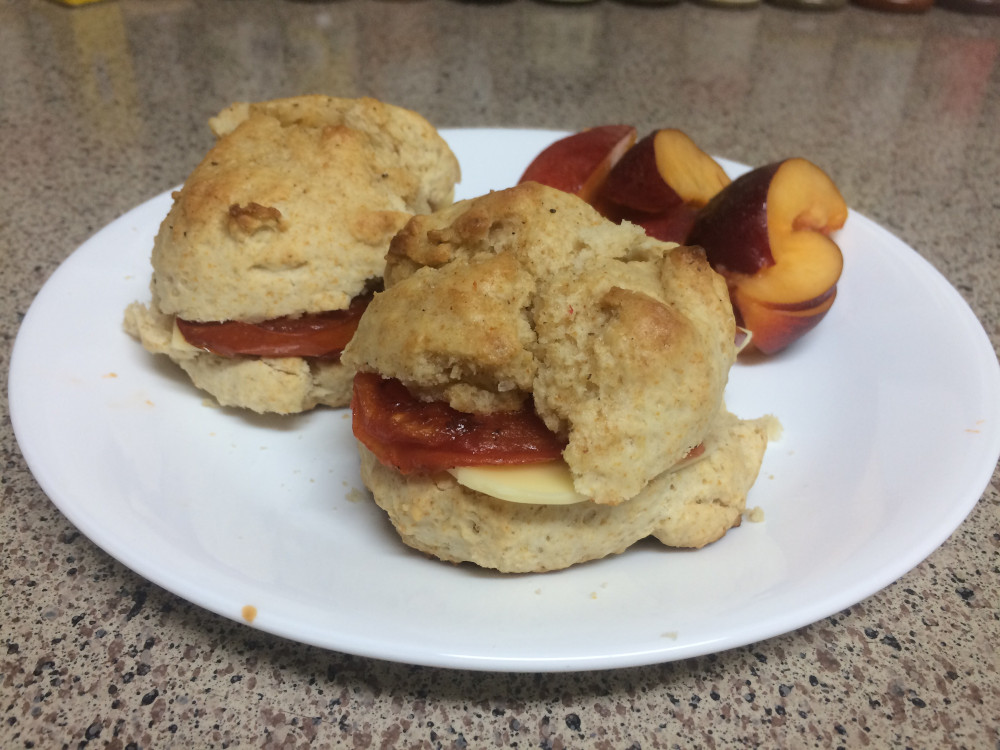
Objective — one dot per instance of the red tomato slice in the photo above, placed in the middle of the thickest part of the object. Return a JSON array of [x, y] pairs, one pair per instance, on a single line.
[[416, 436], [322, 335]]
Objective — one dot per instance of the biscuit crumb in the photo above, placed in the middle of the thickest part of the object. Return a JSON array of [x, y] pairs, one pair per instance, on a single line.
[[355, 495], [754, 514]]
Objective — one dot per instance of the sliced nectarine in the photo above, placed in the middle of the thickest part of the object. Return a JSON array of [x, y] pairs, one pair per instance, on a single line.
[[672, 225], [579, 163], [768, 234], [775, 327], [663, 170]]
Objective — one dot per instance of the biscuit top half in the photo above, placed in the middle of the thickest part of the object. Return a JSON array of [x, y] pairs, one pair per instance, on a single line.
[[624, 343], [293, 208]]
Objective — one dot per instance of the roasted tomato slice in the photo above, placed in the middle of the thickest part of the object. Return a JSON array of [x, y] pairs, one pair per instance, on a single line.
[[322, 335], [416, 436]]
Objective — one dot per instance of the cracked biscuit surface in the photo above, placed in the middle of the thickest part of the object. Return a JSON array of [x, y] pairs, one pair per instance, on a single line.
[[290, 212], [622, 343]]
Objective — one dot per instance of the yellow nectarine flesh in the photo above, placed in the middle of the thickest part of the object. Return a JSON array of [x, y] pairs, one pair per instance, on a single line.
[[803, 207], [694, 175]]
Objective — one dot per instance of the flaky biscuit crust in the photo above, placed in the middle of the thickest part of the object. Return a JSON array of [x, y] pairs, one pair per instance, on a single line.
[[623, 342], [293, 208], [691, 507]]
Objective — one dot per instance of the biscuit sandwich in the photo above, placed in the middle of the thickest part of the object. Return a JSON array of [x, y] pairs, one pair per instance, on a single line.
[[277, 240], [538, 387]]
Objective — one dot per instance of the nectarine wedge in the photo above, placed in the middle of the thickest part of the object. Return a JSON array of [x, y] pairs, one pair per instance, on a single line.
[[663, 170], [768, 233], [579, 163], [774, 328]]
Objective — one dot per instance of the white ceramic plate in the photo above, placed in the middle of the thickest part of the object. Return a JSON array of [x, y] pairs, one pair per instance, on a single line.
[[890, 410]]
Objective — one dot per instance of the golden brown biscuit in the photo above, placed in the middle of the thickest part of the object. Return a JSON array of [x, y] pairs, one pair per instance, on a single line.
[[294, 207], [290, 212], [623, 342]]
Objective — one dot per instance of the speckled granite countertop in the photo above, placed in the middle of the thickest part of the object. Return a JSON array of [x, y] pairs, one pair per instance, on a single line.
[[104, 106]]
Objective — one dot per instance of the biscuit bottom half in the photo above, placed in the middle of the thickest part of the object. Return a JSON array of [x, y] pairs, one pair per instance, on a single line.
[[281, 385], [690, 507]]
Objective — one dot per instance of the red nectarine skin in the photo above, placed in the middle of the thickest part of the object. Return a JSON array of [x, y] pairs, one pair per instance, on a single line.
[[636, 183], [579, 163], [673, 225], [732, 227], [663, 170], [774, 328]]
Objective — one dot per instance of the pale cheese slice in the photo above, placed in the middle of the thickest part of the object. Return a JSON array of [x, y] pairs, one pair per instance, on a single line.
[[179, 343], [548, 483]]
